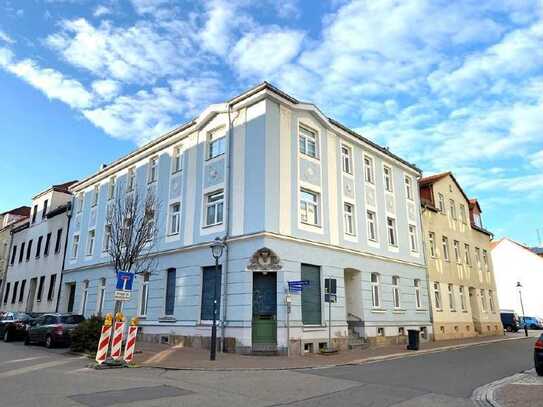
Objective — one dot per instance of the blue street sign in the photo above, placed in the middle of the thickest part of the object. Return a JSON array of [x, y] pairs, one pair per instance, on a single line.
[[125, 280], [297, 286]]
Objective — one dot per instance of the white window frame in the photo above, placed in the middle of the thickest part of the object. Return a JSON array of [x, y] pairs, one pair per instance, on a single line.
[[215, 204], [388, 178], [478, 257], [131, 179], [106, 238], [177, 159], [452, 206], [349, 216], [101, 295], [418, 294], [413, 246], [441, 203], [84, 297], [111, 188], [483, 300], [491, 301], [80, 201], [96, 194], [375, 290], [432, 244], [152, 170], [347, 159], [91, 240], [369, 169], [445, 248], [392, 233], [396, 300], [462, 209], [457, 253], [452, 302], [305, 205], [467, 254], [372, 225], [306, 137], [216, 138], [409, 187], [485, 260], [75, 245], [144, 296], [174, 218], [437, 296], [462, 291]]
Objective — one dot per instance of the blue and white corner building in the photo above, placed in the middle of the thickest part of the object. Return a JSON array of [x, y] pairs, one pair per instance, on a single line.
[[296, 195]]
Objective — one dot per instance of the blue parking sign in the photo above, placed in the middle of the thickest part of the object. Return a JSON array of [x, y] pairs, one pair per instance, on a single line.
[[125, 280]]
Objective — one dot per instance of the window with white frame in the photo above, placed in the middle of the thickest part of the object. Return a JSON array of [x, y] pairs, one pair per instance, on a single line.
[[437, 295], [80, 201], [144, 295], [214, 208], [346, 159], [396, 291], [445, 244], [483, 300], [409, 187], [391, 231], [457, 254], [90, 242], [309, 207], [462, 291], [452, 303], [418, 294], [131, 179], [441, 203], [111, 188], [348, 213], [96, 193], [101, 296], [152, 174], [177, 159], [107, 238], [478, 257], [368, 169], [375, 290], [413, 238], [387, 173], [453, 208], [216, 143], [432, 244], [84, 297], [467, 254], [372, 225], [175, 214], [308, 141], [491, 300], [485, 260], [75, 246], [462, 210]]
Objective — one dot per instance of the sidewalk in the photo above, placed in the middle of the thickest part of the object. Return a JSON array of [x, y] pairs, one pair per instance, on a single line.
[[171, 357], [520, 390]]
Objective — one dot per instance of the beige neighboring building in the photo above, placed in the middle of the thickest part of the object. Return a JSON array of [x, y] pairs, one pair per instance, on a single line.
[[461, 278]]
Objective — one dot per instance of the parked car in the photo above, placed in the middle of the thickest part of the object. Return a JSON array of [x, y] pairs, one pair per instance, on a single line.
[[538, 355], [13, 325], [52, 329], [510, 320], [532, 322]]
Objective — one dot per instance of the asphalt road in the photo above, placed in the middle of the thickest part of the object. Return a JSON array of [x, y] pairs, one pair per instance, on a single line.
[[34, 376]]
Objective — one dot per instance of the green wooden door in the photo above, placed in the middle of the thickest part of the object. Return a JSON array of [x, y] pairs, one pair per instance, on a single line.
[[264, 309]]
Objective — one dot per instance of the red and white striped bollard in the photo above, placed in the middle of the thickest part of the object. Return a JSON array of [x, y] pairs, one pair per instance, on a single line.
[[103, 343], [130, 346]]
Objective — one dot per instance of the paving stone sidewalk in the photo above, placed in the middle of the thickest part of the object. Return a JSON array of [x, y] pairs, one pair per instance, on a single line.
[[521, 390], [172, 357]]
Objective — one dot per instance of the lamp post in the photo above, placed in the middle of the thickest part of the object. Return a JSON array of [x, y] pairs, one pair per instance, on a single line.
[[217, 247], [519, 286]]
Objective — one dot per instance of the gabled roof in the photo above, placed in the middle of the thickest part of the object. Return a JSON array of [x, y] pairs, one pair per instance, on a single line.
[[20, 211], [496, 243], [63, 188], [432, 179]]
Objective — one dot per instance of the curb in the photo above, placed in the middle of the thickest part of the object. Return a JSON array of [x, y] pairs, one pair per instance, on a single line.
[[485, 395], [356, 362]]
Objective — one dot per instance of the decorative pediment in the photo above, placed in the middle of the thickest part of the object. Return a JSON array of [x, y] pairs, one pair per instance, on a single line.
[[264, 260]]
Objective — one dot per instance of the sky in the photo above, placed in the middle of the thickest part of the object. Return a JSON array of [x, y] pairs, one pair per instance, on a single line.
[[446, 85]]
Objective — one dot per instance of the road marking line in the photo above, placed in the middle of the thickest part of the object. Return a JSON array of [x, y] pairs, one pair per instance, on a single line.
[[22, 360], [40, 366]]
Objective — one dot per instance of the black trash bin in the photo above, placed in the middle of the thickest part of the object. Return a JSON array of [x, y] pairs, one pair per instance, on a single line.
[[413, 339]]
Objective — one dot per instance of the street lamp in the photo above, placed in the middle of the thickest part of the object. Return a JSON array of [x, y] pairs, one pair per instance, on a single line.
[[217, 247], [519, 286]]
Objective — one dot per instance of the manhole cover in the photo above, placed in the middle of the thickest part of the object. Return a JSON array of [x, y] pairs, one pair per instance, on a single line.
[[108, 398]]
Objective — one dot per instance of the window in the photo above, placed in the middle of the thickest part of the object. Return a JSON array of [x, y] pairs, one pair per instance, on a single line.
[[418, 297], [452, 304], [485, 260], [80, 201], [211, 283], [176, 159], [153, 170], [107, 238], [441, 203], [453, 209], [462, 298], [391, 226], [308, 141], [214, 208], [346, 159], [457, 255], [445, 243], [22, 291], [51, 291], [169, 306], [84, 297], [462, 210], [491, 300], [467, 254], [387, 172], [174, 218], [44, 213], [413, 238], [131, 179], [6, 294], [311, 295], [101, 296], [34, 213], [13, 254], [368, 170], [348, 211], [396, 291], [14, 295], [477, 219], [372, 228], [47, 244], [437, 295], [216, 143], [478, 257], [75, 246], [483, 300], [90, 242], [409, 187], [432, 243], [111, 188], [309, 207], [22, 252], [40, 288], [38, 246], [95, 195], [375, 290], [29, 250], [57, 243], [144, 295]]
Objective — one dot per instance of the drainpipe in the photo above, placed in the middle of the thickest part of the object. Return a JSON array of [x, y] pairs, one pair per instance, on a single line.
[[428, 282], [68, 216]]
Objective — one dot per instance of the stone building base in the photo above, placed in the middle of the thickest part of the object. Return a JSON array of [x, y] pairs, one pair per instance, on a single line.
[[459, 330]]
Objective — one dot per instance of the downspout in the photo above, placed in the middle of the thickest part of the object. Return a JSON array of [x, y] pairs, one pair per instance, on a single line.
[[69, 216], [428, 283]]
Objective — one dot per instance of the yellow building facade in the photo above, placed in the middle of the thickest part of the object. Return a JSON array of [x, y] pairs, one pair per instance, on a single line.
[[461, 278]]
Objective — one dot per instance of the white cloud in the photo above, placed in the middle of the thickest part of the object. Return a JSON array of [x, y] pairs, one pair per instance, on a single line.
[[222, 18], [536, 159], [106, 88], [6, 38], [148, 6], [6, 56], [101, 11]]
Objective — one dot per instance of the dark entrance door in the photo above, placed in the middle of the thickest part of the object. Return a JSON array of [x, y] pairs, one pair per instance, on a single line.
[[264, 332], [71, 298]]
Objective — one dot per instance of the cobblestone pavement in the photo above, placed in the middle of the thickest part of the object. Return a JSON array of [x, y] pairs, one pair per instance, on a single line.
[[520, 390]]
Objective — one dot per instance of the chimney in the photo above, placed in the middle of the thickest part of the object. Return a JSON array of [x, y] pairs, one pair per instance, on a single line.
[[103, 167]]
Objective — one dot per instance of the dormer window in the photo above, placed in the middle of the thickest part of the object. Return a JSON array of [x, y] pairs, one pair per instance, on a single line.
[[477, 219]]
